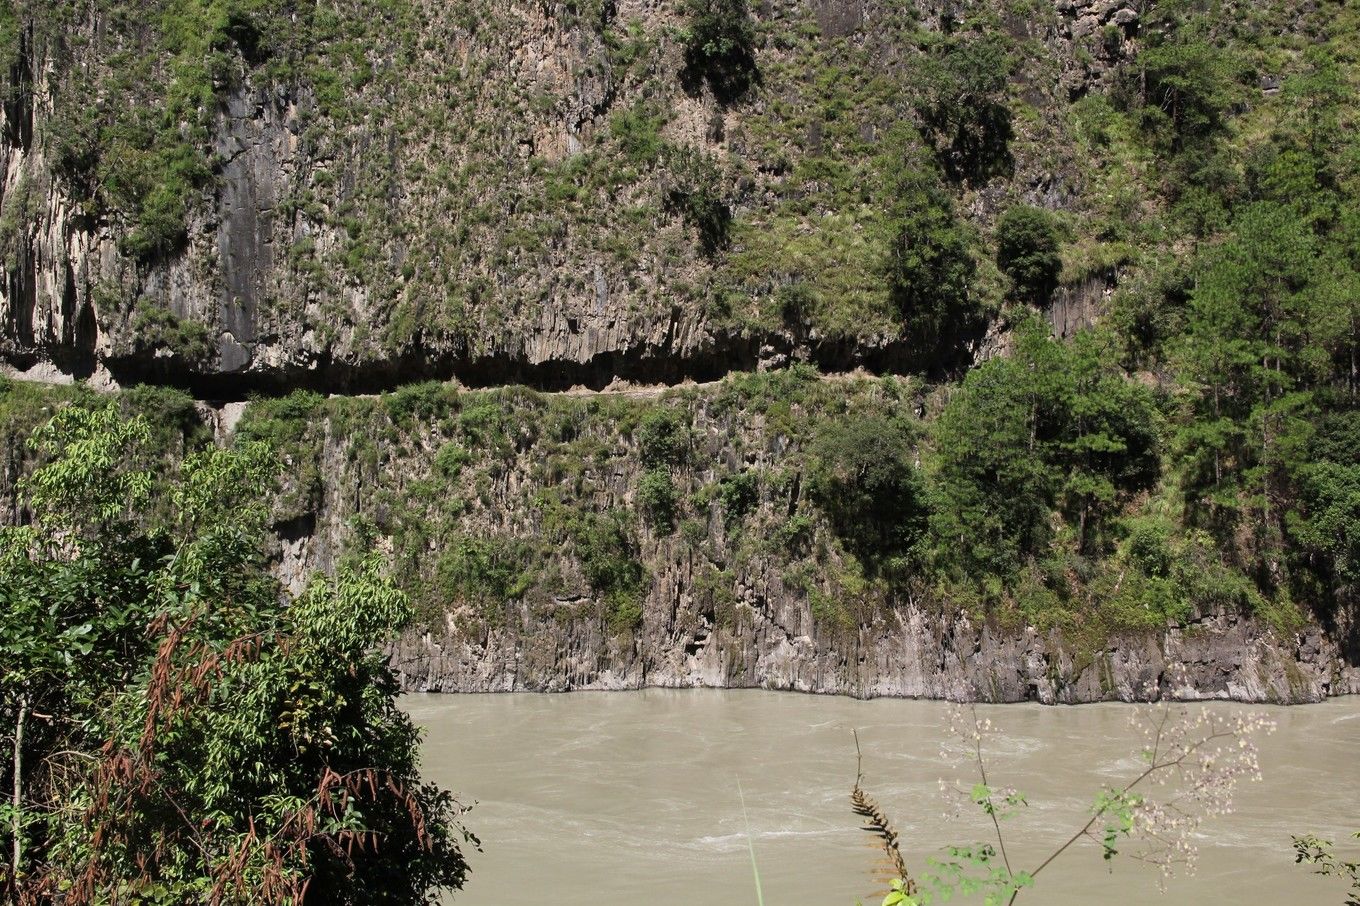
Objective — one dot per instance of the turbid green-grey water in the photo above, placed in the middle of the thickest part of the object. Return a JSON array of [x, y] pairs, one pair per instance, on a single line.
[[625, 798]]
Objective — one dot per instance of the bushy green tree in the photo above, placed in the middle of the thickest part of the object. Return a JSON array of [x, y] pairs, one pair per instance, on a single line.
[[1249, 360], [963, 104], [1182, 86], [931, 268], [183, 731], [720, 46], [1050, 428], [862, 473], [1028, 250], [1327, 522], [993, 482], [1184, 79], [656, 498], [663, 438], [1109, 444]]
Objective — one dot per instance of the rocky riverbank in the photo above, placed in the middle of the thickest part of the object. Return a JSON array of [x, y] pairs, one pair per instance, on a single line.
[[913, 654]]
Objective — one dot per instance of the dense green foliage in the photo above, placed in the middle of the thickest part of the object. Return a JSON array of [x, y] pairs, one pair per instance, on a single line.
[[862, 474], [181, 730], [1049, 427], [932, 267], [656, 497], [963, 104], [1027, 250], [663, 439], [720, 46]]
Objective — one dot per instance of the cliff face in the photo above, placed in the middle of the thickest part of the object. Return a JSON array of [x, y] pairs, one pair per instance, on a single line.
[[529, 530], [356, 196], [497, 193], [910, 653]]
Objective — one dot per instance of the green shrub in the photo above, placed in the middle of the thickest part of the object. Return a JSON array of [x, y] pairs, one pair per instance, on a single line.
[[738, 494], [663, 438], [422, 402], [796, 302], [638, 131], [450, 459], [861, 473], [483, 424], [625, 613], [964, 106], [1149, 546], [174, 418], [282, 421], [830, 612], [693, 532], [159, 212], [485, 571], [657, 499], [156, 328], [286, 424], [1028, 250], [609, 556], [720, 47], [931, 267], [795, 533]]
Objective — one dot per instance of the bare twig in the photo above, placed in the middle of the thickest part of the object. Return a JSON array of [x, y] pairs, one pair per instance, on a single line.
[[16, 819]]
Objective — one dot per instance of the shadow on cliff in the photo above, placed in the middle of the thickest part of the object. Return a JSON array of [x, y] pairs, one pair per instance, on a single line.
[[939, 357]]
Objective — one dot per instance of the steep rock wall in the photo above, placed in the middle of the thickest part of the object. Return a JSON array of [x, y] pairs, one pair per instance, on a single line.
[[505, 514], [491, 196], [911, 653], [537, 561]]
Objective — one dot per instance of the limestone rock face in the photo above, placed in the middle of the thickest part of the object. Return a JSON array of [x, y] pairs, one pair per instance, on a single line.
[[721, 601], [496, 193], [914, 655], [494, 202]]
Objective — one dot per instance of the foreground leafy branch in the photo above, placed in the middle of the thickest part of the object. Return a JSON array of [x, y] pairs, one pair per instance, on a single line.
[[184, 730], [1319, 853]]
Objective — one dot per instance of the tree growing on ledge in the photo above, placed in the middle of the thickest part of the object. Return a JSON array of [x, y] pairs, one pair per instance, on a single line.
[[180, 731], [720, 47], [931, 268], [1028, 250], [963, 105]]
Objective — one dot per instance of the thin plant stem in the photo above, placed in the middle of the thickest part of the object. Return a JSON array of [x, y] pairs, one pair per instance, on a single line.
[[18, 799], [991, 806], [750, 845]]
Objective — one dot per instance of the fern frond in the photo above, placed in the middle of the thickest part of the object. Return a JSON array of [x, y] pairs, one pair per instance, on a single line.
[[876, 822]]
